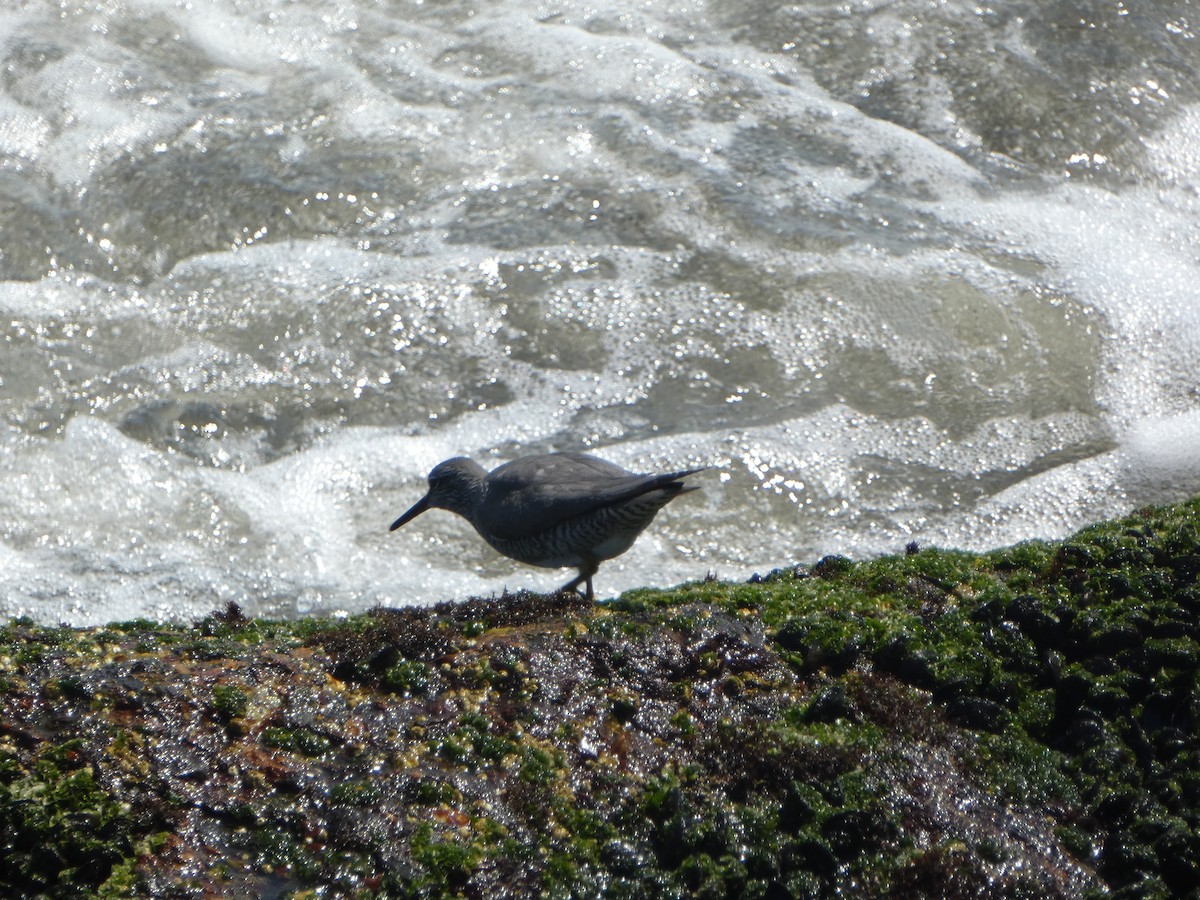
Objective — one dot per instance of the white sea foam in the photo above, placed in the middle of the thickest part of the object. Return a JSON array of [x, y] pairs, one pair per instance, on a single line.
[[267, 264]]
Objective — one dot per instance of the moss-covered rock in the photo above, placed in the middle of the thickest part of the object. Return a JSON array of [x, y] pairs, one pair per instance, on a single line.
[[1016, 723]]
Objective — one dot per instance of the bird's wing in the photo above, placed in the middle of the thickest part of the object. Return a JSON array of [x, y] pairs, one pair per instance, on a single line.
[[535, 493]]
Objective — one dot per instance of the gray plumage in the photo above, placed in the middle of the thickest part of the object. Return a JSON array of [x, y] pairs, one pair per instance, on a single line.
[[553, 510]]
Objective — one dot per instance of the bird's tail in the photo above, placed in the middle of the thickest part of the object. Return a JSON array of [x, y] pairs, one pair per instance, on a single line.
[[671, 479]]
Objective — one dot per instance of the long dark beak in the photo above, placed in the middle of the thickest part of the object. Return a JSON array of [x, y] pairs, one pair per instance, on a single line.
[[419, 507]]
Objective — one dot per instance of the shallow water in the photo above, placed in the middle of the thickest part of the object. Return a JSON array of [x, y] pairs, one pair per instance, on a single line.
[[897, 271]]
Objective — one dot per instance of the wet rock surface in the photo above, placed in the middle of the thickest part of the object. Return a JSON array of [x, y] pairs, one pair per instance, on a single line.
[[1019, 723]]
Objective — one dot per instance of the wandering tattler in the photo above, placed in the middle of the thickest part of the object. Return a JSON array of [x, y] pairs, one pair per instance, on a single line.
[[552, 510]]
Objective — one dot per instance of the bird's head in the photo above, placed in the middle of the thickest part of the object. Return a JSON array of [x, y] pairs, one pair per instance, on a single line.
[[456, 484]]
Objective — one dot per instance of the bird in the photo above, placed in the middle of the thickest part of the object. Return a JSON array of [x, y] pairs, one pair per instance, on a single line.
[[553, 510]]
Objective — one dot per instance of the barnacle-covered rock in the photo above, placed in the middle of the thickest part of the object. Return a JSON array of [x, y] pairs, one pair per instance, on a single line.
[[1017, 723]]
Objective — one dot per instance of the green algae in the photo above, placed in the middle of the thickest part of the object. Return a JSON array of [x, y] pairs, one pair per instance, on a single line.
[[63, 834], [296, 740], [230, 701]]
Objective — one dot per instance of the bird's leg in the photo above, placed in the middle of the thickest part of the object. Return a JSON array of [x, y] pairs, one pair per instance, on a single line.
[[586, 571]]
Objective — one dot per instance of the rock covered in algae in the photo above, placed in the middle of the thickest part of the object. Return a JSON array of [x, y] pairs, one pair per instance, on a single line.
[[1018, 723]]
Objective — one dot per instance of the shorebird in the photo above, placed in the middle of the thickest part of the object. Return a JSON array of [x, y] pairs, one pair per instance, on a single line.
[[552, 510]]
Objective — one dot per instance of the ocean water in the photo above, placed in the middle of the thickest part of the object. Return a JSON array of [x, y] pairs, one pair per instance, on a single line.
[[896, 271]]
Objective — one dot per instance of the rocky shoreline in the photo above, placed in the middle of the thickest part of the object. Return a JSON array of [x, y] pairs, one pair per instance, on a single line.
[[1024, 722]]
